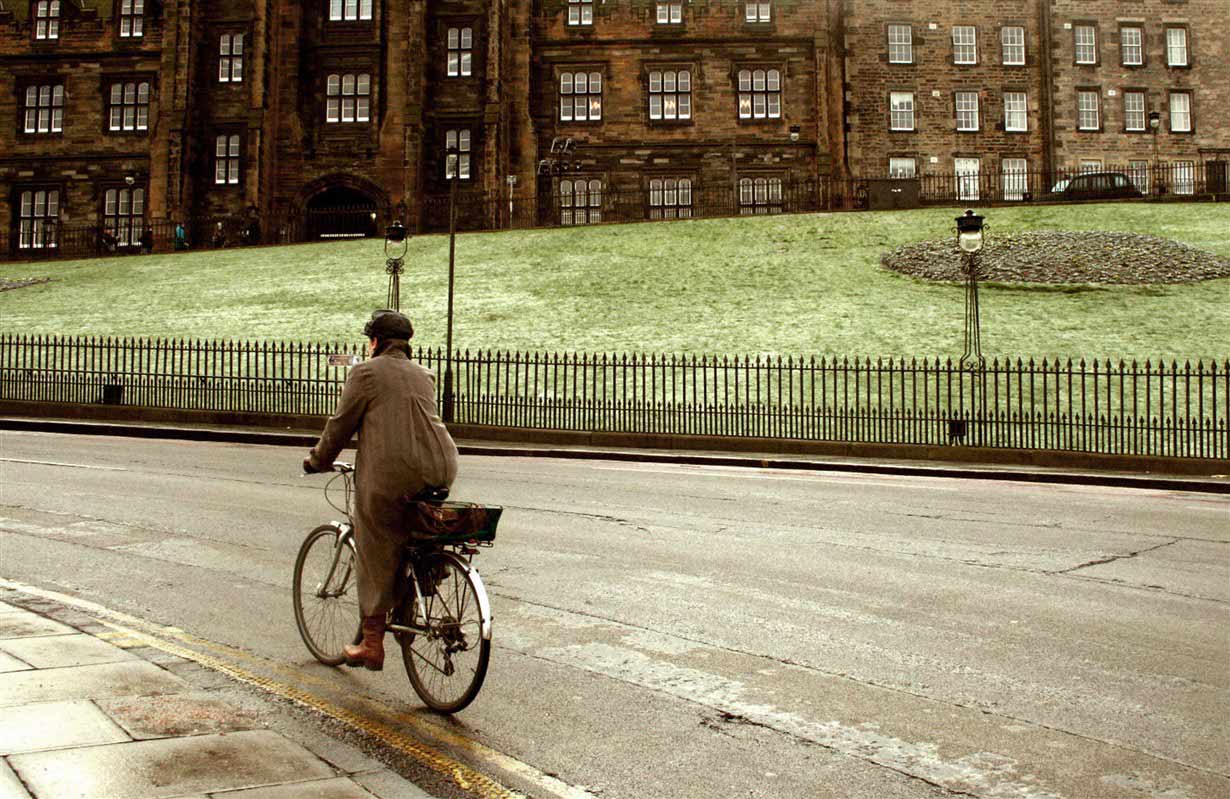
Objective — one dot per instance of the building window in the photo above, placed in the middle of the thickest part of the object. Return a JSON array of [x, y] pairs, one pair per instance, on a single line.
[[757, 12], [457, 164], [132, 19], [460, 52], [1133, 110], [900, 44], [1138, 171], [230, 58], [760, 94], [1176, 47], [1180, 112], [47, 19], [44, 109], [226, 159], [39, 215], [580, 96], [901, 168], [1088, 114], [1086, 44], [580, 12], [967, 111], [123, 214], [1183, 176], [670, 13], [1013, 40], [964, 44], [901, 111], [1088, 165], [670, 198], [580, 202], [967, 171], [129, 108], [350, 10], [760, 196], [670, 94], [1016, 178], [1016, 116], [1131, 46], [348, 98]]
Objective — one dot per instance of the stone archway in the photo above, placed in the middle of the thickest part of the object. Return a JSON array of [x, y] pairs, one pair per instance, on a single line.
[[343, 207]]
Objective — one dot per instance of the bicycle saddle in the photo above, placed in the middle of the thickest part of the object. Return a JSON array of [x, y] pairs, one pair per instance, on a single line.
[[430, 494]]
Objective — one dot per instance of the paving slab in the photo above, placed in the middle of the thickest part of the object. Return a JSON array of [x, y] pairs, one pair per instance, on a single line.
[[10, 786], [104, 680], [169, 767], [387, 784], [55, 725], [58, 651], [337, 788], [148, 717], [24, 624], [9, 663]]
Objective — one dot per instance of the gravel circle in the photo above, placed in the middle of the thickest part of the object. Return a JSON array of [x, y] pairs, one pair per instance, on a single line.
[[20, 283], [1064, 257]]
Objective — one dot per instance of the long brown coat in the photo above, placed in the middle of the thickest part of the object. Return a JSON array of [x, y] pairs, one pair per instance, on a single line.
[[390, 401]]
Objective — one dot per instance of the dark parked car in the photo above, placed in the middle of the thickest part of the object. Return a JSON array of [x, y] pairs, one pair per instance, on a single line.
[[1095, 186]]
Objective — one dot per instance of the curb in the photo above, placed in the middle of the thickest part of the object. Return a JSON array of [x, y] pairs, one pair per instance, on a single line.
[[965, 472]]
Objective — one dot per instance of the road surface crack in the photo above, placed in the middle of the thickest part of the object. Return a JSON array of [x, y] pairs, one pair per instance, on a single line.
[[1113, 558]]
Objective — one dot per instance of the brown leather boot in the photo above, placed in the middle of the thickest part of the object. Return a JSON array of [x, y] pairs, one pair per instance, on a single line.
[[370, 653]]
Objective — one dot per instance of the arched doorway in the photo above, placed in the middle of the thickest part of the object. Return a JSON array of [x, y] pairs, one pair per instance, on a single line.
[[342, 212]]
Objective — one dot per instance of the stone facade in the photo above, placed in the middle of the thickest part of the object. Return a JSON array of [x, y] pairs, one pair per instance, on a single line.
[[239, 109]]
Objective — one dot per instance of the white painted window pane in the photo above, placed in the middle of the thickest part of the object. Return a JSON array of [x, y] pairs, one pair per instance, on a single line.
[[685, 81], [467, 66], [364, 84], [1180, 113], [335, 9], [581, 82], [595, 82], [685, 106], [655, 106], [363, 112], [595, 107], [745, 80], [467, 38], [655, 81], [365, 9], [1176, 47]]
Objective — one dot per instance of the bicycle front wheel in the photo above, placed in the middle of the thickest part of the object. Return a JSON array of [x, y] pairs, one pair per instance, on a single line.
[[448, 663], [326, 595]]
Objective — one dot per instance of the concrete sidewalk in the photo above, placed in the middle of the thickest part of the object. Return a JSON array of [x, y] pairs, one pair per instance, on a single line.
[[87, 714]]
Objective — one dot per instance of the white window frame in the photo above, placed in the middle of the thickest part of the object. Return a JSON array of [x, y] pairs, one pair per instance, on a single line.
[[901, 111], [902, 168], [1138, 172], [1132, 46], [580, 12], [47, 20], [348, 98], [460, 45], [230, 58], [1176, 47], [350, 10], [760, 196], [900, 43], [227, 150], [1135, 118], [670, 198], [1012, 45], [38, 213], [1085, 39], [1180, 112], [670, 95], [44, 109], [757, 12], [128, 107], [760, 94], [1088, 165], [964, 44], [457, 164], [1088, 117], [967, 108], [669, 12], [1016, 112], [1183, 177], [580, 201], [580, 96], [968, 181], [132, 19], [1015, 178], [124, 215]]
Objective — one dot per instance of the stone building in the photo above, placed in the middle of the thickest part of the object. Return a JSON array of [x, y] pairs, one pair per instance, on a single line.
[[267, 119]]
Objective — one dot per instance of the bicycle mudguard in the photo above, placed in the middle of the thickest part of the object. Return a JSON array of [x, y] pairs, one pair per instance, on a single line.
[[451, 522]]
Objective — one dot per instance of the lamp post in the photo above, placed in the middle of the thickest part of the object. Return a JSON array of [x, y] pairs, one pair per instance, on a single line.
[[1155, 124], [395, 244], [969, 240], [451, 172], [559, 161]]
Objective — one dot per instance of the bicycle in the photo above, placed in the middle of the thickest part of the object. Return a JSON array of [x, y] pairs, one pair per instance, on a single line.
[[443, 624]]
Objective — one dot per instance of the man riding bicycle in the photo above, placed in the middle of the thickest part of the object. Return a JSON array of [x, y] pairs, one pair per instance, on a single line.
[[404, 447]]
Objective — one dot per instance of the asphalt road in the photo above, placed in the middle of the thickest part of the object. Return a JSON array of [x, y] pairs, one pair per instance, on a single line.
[[673, 631]]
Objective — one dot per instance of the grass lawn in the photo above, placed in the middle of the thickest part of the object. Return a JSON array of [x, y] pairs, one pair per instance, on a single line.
[[790, 285]]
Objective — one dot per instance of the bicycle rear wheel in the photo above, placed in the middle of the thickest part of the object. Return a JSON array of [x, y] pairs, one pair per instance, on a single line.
[[446, 665], [326, 596]]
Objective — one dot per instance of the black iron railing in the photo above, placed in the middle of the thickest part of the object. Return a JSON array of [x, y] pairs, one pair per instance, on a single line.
[[1150, 409]]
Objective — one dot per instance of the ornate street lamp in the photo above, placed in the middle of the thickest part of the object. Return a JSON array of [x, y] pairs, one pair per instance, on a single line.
[[969, 240], [396, 241], [452, 171], [1155, 124]]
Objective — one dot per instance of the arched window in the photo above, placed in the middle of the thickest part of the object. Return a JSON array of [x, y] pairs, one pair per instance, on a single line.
[[460, 52], [348, 98], [350, 10], [47, 19], [129, 106], [39, 214], [760, 94], [670, 198], [123, 215], [670, 94], [580, 96], [580, 201], [760, 195]]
